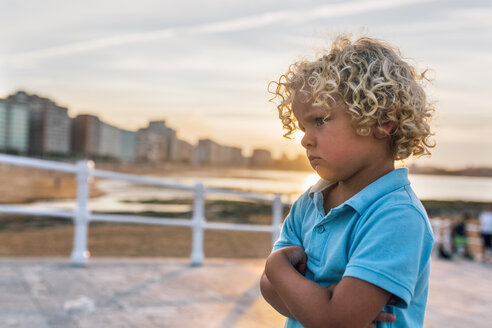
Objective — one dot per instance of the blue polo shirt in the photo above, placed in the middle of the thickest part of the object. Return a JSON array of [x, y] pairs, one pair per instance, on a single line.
[[381, 235]]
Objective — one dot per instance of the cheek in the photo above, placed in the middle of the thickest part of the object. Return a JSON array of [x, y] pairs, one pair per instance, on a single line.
[[342, 150]]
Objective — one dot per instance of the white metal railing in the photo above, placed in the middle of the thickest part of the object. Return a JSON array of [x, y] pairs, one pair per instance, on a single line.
[[82, 216]]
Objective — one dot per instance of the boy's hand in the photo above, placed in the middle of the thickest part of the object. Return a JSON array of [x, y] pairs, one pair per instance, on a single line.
[[383, 317], [295, 255]]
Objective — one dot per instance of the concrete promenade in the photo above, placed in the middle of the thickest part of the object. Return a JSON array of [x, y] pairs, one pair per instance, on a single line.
[[169, 293]]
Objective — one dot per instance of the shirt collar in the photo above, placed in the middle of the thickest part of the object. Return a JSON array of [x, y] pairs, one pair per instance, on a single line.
[[363, 199], [320, 186]]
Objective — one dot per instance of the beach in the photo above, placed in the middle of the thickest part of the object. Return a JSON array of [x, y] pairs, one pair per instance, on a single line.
[[24, 236], [25, 185]]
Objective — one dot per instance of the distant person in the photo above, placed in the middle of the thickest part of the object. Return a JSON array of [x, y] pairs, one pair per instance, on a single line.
[[486, 232], [460, 239], [355, 247]]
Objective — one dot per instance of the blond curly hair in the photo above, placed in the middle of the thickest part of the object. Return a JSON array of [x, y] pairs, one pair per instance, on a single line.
[[374, 83]]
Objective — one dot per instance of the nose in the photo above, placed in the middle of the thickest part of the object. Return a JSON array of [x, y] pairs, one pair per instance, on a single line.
[[307, 140]]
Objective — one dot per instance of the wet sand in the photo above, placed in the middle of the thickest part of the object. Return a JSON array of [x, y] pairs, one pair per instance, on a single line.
[[25, 185], [126, 240]]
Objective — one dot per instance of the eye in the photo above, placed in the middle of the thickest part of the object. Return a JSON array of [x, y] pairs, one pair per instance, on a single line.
[[320, 121]]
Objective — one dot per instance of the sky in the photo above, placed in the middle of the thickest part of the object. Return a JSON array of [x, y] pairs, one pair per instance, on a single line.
[[204, 66]]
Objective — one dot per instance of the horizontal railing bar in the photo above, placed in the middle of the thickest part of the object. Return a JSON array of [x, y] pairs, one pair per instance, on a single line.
[[82, 215], [38, 163], [148, 180], [140, 220], [20, 209], [237, 227]]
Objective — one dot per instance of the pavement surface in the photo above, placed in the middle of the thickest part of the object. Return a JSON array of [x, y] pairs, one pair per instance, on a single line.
[[170, 293]]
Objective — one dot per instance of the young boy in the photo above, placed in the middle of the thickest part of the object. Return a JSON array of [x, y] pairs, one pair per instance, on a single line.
[[355, 248]]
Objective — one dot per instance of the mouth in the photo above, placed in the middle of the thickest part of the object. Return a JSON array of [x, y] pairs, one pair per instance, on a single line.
[[314, 160]]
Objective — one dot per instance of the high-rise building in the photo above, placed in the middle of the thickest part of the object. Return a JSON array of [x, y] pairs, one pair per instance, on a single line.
[[182, 152], [18, 127], [156, 142], [234, 156], [86, 134], [151, 146], [208, 152], [128, 145], [3, 125], [167, 133], [57, 130], [261, 158], [49, 127], [110, 141], [93, 137], [14, 124]]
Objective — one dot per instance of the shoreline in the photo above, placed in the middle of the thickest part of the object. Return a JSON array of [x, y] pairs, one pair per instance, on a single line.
[[36, 236]]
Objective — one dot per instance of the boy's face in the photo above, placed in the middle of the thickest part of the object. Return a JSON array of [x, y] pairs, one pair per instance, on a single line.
[[333, 147]]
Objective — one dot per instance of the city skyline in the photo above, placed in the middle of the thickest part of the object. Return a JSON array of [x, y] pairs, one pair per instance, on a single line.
[[206, 71], [37, 126]]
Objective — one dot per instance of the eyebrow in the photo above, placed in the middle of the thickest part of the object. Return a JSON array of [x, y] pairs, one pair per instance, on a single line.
[[315, 114]]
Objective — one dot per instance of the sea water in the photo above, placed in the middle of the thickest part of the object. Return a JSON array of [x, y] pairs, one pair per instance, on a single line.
[[122, 196]]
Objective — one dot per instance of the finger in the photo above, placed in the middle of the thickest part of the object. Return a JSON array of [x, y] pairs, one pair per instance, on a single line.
[[331, 287], [385, 317], [302, 268]]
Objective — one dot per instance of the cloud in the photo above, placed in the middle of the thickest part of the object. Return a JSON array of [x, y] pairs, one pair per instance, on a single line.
[[456, 20], [237, 24]]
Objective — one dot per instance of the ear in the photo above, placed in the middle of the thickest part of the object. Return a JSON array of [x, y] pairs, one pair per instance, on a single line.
[[384, 130]]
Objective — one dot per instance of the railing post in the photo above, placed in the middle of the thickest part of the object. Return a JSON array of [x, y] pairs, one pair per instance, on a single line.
[[80, 255], [277, 209], [197, 254]]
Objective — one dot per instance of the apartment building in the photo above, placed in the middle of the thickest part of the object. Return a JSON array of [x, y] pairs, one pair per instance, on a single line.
[[208, 152], [261, 158], [86, 133], [182, 152], [151, 147], [14, 125], [49, 127], [110, 141], [156, 142], [128, 145], [3, 125]]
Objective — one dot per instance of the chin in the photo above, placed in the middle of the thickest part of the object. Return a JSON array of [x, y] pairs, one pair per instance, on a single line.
[[324, 174]]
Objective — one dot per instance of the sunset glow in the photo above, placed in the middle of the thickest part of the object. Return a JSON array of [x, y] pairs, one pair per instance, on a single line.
[[310, 180], [206, 71]]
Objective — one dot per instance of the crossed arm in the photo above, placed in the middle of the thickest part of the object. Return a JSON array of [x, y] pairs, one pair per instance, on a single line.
[[352, 303]]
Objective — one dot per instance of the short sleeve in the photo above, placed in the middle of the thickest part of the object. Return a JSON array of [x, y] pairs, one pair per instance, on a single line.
[[291, 229], [390, 250]]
